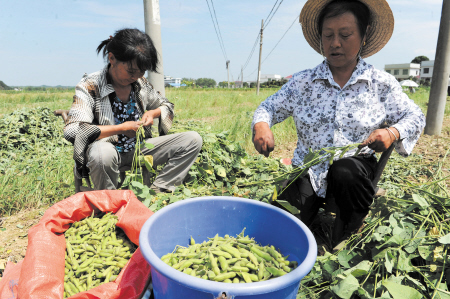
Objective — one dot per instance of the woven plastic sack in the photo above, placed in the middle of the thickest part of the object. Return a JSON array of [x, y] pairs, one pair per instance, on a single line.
[[41, 273]]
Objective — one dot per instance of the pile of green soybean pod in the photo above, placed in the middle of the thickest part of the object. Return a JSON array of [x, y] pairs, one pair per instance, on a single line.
[[96, 252], [230, 260]]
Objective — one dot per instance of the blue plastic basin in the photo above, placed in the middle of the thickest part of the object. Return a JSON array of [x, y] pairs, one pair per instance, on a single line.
[[203, 218]]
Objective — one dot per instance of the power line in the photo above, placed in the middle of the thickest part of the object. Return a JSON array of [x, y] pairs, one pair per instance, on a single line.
[[218, 28], [272, 10], [296, 18], [268, 20], [252, 51], [222, 47]]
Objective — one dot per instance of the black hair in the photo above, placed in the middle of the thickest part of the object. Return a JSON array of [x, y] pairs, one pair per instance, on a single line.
[[338, 7], [131, 44]]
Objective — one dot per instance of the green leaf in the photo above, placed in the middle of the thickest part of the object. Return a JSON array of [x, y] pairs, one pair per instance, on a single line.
[[345, 256], [399, 291], [426, 252], [173, 199], [293, 210], [19, 226], [444, 239], [404, 262], [346, 287], [149, 145], [147, 202], [393, 241], [148, 162], [220, 171], [187, 192], [420, 200], [389, 262]]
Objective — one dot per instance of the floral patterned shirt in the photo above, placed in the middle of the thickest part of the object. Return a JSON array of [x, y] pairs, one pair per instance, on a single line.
[[125, 112], [327, 115]]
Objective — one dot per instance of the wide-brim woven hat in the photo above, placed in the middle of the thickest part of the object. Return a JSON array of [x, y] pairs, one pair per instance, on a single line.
[[381, 24]]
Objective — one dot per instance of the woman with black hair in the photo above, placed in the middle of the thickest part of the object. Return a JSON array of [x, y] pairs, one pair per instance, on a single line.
[[110, 105], [344, 100]]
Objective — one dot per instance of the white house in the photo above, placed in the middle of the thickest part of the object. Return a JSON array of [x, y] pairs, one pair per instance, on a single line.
[[269, 77], [426, 70], [175, 82], [403, 70]]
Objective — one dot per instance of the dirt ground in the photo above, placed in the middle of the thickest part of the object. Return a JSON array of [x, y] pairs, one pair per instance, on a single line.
[[14, 229]]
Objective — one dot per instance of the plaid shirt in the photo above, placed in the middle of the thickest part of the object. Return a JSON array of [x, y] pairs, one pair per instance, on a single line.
[[91, 108]]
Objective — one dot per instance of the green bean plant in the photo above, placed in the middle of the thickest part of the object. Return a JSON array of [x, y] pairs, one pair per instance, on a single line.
[[134, 178]]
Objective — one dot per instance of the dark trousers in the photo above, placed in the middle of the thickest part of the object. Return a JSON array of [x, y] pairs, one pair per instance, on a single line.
[[349, 187]]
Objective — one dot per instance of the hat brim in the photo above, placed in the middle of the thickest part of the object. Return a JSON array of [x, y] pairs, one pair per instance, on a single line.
[[381, 24]]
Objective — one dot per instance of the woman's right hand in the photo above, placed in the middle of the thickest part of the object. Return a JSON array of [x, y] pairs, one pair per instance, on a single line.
[[129, 128], [263, 140]]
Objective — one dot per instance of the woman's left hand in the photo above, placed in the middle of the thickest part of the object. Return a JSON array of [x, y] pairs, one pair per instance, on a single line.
[[379, 140], [149, 116]]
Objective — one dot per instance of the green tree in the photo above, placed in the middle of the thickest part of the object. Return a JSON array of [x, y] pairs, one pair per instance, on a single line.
[[419, 59], [205, 82], [188, 83], [223, 84]]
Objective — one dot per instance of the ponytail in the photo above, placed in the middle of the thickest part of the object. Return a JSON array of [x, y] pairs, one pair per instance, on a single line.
[[104, 45]]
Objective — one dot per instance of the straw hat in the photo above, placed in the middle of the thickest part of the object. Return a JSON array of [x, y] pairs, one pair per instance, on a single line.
[[382, 24]]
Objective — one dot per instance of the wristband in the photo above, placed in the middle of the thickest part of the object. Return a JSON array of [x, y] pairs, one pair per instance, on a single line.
[[396, 139]]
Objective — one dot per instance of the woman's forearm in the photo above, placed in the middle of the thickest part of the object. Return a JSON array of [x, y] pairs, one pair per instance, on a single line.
[[110, 130]]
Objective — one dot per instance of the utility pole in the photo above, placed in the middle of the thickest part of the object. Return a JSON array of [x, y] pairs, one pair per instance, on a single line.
[[242, 77], [228, 73], [153, 29], [441, 70], [260, 53]]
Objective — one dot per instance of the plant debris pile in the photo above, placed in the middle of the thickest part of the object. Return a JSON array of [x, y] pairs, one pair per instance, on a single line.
[[27, 128], [35, 160], [402, 251]]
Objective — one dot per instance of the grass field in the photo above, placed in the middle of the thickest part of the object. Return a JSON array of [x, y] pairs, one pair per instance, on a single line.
[[43, 175]]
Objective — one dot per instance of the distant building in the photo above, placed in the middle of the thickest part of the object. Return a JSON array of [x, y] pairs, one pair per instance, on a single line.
[[426, 70], [403, 70], [269, 77], [175, 82]]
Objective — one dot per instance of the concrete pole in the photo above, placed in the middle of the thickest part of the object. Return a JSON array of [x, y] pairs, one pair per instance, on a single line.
[[260, 53], [228, 74], [242, 77], [441, 70], [153, 29]]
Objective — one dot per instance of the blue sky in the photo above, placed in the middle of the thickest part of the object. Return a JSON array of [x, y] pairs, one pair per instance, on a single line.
[[53, 42]]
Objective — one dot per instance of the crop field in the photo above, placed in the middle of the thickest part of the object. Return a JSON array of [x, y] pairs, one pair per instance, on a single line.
[[402, 251]]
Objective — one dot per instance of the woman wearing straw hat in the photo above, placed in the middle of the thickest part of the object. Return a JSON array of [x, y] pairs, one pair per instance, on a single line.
[[344, 100]]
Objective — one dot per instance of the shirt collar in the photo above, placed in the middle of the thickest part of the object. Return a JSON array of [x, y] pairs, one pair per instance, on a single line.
[[361, 73], [106, 88]]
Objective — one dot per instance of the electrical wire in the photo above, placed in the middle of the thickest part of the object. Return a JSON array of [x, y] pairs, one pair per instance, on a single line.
[[222, 47], [296, 18], [268, 19], [252, 51], [266, 23], [218, 28]]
